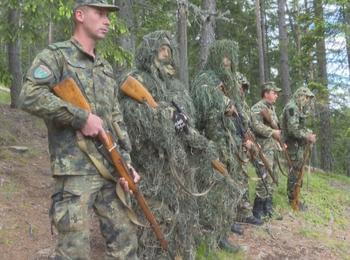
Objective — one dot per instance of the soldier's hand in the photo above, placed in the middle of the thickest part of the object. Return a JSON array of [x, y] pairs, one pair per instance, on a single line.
[[180, 121], [248, 144], [276, 134], [231, 111], [135, 176], [93, 126], [311, 138]]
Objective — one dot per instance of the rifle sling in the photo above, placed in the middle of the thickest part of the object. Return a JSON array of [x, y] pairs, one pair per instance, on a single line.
[[280, 166], [108, 176], [195, 194]]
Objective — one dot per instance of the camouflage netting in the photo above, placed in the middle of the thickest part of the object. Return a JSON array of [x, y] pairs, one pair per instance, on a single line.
[[163, 157], [210, 105]]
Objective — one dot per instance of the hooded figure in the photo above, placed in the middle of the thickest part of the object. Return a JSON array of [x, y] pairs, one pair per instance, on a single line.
[[213, 91], [295, 133], [174, 160]]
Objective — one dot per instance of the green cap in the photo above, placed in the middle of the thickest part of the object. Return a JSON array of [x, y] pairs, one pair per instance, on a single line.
[[96, 3], [271, 86]]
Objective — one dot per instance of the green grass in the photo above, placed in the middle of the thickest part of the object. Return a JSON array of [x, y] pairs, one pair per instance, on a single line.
[[5, 97], [328, 199], [8, 190], [203, 254]]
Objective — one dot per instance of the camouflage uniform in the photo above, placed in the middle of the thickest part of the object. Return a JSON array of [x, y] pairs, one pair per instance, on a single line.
[[164, 156], [244, 208], [295, 133], [212, 90], [78, 185], [263, 133]]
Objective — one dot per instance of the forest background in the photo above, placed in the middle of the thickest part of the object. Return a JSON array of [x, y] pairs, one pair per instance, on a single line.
[[291, 42]]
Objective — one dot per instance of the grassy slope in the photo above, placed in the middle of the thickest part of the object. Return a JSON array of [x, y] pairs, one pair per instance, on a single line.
[[328, 200], [327, 197]]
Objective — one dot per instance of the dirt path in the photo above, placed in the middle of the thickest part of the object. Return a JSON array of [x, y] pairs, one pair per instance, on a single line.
[[26, 184], [283, 240]]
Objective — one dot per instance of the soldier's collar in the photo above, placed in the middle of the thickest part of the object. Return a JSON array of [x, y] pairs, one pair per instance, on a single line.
[[77, 44], [267, 103]]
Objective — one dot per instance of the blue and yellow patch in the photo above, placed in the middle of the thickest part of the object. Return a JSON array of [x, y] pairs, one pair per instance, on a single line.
[[42, 72]]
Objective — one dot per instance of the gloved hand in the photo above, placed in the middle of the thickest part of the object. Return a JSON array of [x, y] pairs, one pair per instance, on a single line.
[[180, 121]]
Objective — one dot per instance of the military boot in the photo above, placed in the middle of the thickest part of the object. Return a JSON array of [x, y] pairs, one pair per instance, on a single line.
[[237, 228], [258, 208], [268, 210], [226, 245], [253, 220]]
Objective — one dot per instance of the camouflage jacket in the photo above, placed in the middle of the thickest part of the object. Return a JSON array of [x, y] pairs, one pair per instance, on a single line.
[[293, 124], [261, 129], [95, 78]]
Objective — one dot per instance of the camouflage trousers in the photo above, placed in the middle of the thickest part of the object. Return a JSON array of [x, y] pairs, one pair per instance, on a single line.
[[264, 189], [244, 209], [72, 202]]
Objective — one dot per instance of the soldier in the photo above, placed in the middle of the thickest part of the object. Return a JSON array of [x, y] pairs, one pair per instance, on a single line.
[[175, 160], [78, 186], [215, 92], [244, 209], [296, 135], [266, 137]]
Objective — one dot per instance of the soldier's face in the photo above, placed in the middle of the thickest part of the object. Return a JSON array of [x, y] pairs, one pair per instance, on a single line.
[[94, 22], [226, 62], [271, 96], [164, 53]]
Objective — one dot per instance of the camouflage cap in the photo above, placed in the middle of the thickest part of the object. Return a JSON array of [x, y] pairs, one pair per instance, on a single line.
[[96, 3], [270, 86], [304, 91]]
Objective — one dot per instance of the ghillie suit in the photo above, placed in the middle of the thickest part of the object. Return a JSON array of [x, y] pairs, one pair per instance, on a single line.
[[171, 162], [211, 92], [295, 133]]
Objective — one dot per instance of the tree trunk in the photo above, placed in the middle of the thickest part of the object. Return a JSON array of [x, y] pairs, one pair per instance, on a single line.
[[260, 43], [208, 30], [14, 56], [50, 32], [283, 46], [182, 39], [297, 35], [325, 138], [264, 38], [126, 41], [347, 32], [348, 164]]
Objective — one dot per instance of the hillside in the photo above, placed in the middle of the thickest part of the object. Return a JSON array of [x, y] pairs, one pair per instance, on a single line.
[[323, 232]]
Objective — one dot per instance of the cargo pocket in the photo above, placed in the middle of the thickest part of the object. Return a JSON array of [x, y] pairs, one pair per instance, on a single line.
[[67, 214]]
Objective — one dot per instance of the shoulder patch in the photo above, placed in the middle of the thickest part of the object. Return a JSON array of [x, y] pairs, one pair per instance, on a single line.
[[42, 72], [291, 111]]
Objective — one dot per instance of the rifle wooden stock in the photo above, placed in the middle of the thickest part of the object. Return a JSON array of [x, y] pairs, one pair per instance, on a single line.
[[220, 167], [134, 89], [267, 117], [297, 185], [70, 92], [124, 172]]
